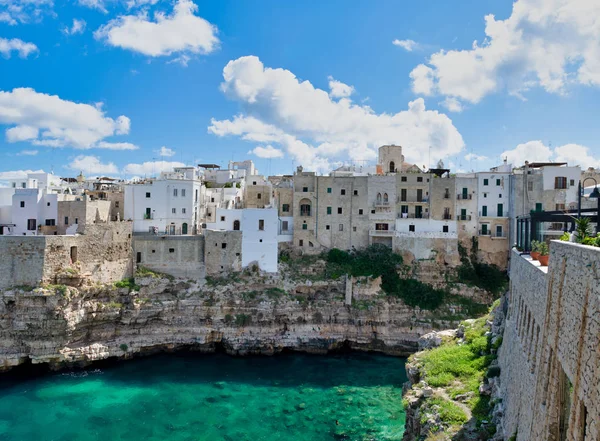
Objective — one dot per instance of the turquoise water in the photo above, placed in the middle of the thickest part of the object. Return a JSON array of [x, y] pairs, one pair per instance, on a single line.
[[211, 397]]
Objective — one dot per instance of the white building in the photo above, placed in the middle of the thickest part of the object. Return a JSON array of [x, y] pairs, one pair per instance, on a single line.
[[493, 196], [167, 205]]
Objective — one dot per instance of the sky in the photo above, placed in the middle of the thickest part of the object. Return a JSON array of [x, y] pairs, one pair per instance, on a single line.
[[131, 87]]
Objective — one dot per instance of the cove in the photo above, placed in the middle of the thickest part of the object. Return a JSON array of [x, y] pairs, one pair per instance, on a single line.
[[183, 397]]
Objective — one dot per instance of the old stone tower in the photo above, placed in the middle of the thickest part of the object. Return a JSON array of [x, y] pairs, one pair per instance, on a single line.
[[390, 158]]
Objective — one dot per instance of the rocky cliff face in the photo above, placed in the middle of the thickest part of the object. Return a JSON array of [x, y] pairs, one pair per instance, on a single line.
[[61, 325]]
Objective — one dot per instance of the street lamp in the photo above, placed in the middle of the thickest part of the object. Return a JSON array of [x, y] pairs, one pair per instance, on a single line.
[[595, 194]]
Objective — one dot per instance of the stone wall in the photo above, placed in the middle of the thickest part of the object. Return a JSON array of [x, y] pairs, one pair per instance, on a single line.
[[549, 359], [178, 256], [222, 251], [22, 261]]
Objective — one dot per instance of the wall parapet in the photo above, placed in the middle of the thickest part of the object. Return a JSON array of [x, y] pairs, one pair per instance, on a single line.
[[549, 359]]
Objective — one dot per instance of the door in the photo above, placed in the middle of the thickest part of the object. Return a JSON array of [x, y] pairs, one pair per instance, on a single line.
[[500, 210], [418, 211], [172, 229], [499, 231], [184, 228], [419, 195], [484, 229], [463, 214], [484, 210], [465, 193], [236, 225]]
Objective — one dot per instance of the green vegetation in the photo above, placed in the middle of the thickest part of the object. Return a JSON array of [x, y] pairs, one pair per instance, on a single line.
[[449, 412], [222, 281], [566, 237], [482, 275], [142, 271], [275, 293], [58, 289], [127, 283], [243, 320], [228, 318], [228, 185], [460, 367], [380, 261], [26, 288], [124, 347], [114, 305]]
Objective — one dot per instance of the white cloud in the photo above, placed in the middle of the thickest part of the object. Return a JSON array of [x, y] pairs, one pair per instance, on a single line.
[[93, 4], [13, 12], [536, 151], [27, 153], [182, 33], [339, 89], [78, 27], [313, 129], [267, 151], [408, 45], [452, 104], [475, 157], [92, 165], [17, 174], [131, 4], [51, 121], [116, 145], [165, 151], [150, 168], [548, 44], [15, 45]]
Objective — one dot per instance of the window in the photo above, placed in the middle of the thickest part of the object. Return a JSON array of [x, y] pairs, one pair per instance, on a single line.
[[23, 185], [147, 194], [486, 182], [500, 210], [285, 208], [175, 192], [305, 189], [484, 229], [284, 226], [485, 195], [403, 194], [73, 254], [31, 224], [497, 182], [174, 210], [14, 185], [500, 195], [328, 189], [212, 199], [572, 182], [50, 222], [138, 257], [341, 227], [253, 182], [116, 204], [183, 211], [381, 227], [47, 204], [560, 182], [300, 242], [445, 229], [378, 198], [530, 185], [196, 195], [22, 204], [355, 192], [183, 192], [538, 206], [560, 207], [499, 232], [385, 198], [484, 210], [411, 228], [403, 179], [372, 211], [343, 192], [259, 196], [171, 250], [76, 221], [360, 211], [419, 179], [223, 245], [327, 227], [328, 210], [354, 229], [304, 207], [236, 225], [339, 210], [66, 220], [261, 224]]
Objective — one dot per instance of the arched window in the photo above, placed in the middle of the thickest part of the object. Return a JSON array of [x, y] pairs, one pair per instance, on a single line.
[[379, 198], [236, 225], [305, 207], [392, 167], [385, 198]]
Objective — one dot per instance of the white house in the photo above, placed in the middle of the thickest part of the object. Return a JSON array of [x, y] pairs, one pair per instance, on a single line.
[[167, 205], [493, 196]]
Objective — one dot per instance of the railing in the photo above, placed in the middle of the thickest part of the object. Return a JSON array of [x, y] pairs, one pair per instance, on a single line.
[[446, 195], [381, 232], [148, 216], [464, 196], [415, 200], [492, 235], [305, 213], [485, 233], [413, 216], [381, 204], [447, 216], [464, 217]]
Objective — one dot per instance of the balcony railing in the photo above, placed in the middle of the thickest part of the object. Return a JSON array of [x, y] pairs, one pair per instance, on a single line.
[[464, 197], [381, 232], [497, 234], [305, 213], [413, 216], [381, 204], [485, 233], [148, 216], [464, 217], [447, 216]]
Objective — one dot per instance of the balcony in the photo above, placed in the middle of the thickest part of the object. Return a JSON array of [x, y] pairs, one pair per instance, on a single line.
[[381, 204], [496, 235], [485, 233], [463, 217], [447, 216], [148, 216], [385, 233], [464, 197], [413, 216]]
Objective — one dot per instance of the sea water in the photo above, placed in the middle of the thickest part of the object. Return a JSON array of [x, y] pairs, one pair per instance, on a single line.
[[211, 397]]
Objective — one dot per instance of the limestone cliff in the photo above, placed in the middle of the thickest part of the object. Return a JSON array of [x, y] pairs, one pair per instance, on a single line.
[[258, 314]]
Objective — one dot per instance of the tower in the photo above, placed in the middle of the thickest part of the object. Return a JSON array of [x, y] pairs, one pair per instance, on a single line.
[[391, 158]]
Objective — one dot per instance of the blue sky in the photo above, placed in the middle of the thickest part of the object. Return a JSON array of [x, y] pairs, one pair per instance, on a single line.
[[110, 83]]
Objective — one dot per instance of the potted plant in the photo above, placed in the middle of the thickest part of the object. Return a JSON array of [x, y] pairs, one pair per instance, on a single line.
[[535, 252], [544, 253]]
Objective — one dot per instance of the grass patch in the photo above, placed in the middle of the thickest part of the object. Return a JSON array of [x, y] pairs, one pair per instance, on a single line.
[[26, 288], [124, 347], [243, 320], [142, 271], [449, 412], [127, 283], [275, 293], [58, 289]]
